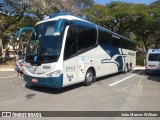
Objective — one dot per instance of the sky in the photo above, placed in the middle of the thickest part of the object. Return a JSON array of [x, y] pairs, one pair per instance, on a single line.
[[129, 1]]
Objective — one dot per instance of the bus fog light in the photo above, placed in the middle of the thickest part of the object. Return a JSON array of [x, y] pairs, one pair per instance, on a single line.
[[55, 74]]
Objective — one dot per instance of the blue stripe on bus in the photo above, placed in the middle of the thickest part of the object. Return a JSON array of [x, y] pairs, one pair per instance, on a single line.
[[112, 51]]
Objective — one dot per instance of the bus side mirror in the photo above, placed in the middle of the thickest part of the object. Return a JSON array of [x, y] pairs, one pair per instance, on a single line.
[[59, 25], [24, 29]]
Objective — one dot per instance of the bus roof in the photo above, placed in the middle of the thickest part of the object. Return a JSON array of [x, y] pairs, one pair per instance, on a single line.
[[75, 18], [66, 16]]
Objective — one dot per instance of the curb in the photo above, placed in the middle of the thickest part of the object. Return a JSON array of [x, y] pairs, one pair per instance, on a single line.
[[139, 68]]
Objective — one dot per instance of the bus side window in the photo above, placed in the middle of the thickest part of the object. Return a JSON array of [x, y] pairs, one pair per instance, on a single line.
[[105, 38], [86, 36], [71, 43]]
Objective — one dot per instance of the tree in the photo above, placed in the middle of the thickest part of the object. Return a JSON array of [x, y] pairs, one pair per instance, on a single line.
[[13, 13], [147, 29], [40, 8], [139, 22], [116, 16], [98, 14], [10, 34], [82, 4]]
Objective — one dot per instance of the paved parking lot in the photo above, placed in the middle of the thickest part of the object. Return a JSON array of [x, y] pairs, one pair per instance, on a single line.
[[133, 91]]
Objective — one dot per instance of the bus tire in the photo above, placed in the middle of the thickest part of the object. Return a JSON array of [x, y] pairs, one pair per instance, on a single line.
[[89, 77], [125, 69], [130, 68]]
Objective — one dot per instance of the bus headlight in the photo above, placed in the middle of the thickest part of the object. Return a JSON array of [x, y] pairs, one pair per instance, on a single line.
[[56, 73]]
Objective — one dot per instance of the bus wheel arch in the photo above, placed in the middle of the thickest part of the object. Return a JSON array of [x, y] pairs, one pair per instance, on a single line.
[[89, 76]]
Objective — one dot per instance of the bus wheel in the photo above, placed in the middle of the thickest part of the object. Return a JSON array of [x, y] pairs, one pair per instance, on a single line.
[[89, 78], [126, 69], [130, 68]]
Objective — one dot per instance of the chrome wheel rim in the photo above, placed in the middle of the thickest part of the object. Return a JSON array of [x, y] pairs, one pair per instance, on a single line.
[[89, 77], [126, 69]]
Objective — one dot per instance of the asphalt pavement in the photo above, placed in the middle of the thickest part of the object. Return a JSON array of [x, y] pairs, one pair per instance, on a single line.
[[133, 91]]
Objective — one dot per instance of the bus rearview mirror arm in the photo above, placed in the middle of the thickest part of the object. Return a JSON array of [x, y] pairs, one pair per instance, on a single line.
[[58, 26], [24, 29]]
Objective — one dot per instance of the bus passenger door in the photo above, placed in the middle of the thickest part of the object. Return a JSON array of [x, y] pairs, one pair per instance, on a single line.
[[70, 58]]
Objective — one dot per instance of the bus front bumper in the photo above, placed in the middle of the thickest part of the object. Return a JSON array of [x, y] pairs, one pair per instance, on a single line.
[[54, 82]]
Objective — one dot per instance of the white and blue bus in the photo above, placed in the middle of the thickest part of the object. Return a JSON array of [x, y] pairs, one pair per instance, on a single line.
[[65, 50]]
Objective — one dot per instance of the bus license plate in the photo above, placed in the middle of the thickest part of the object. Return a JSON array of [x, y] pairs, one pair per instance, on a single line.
[[34, 80]]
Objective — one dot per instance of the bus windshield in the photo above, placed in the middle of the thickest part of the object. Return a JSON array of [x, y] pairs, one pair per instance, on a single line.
[[43, 44], [154, 57]]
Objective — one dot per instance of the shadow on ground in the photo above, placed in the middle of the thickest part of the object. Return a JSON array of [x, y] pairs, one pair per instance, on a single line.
[[153, 76], [52, 90]]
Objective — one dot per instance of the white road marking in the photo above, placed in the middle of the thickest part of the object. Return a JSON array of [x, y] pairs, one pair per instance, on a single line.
[[124, 79], [126, 87], [10, 69], [8, 76]]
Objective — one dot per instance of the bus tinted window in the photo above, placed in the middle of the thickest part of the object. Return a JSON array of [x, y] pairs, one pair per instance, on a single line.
[[86, 37], [154, 57], [71, 43], [108, 38], [105, 38], [116, 42]]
